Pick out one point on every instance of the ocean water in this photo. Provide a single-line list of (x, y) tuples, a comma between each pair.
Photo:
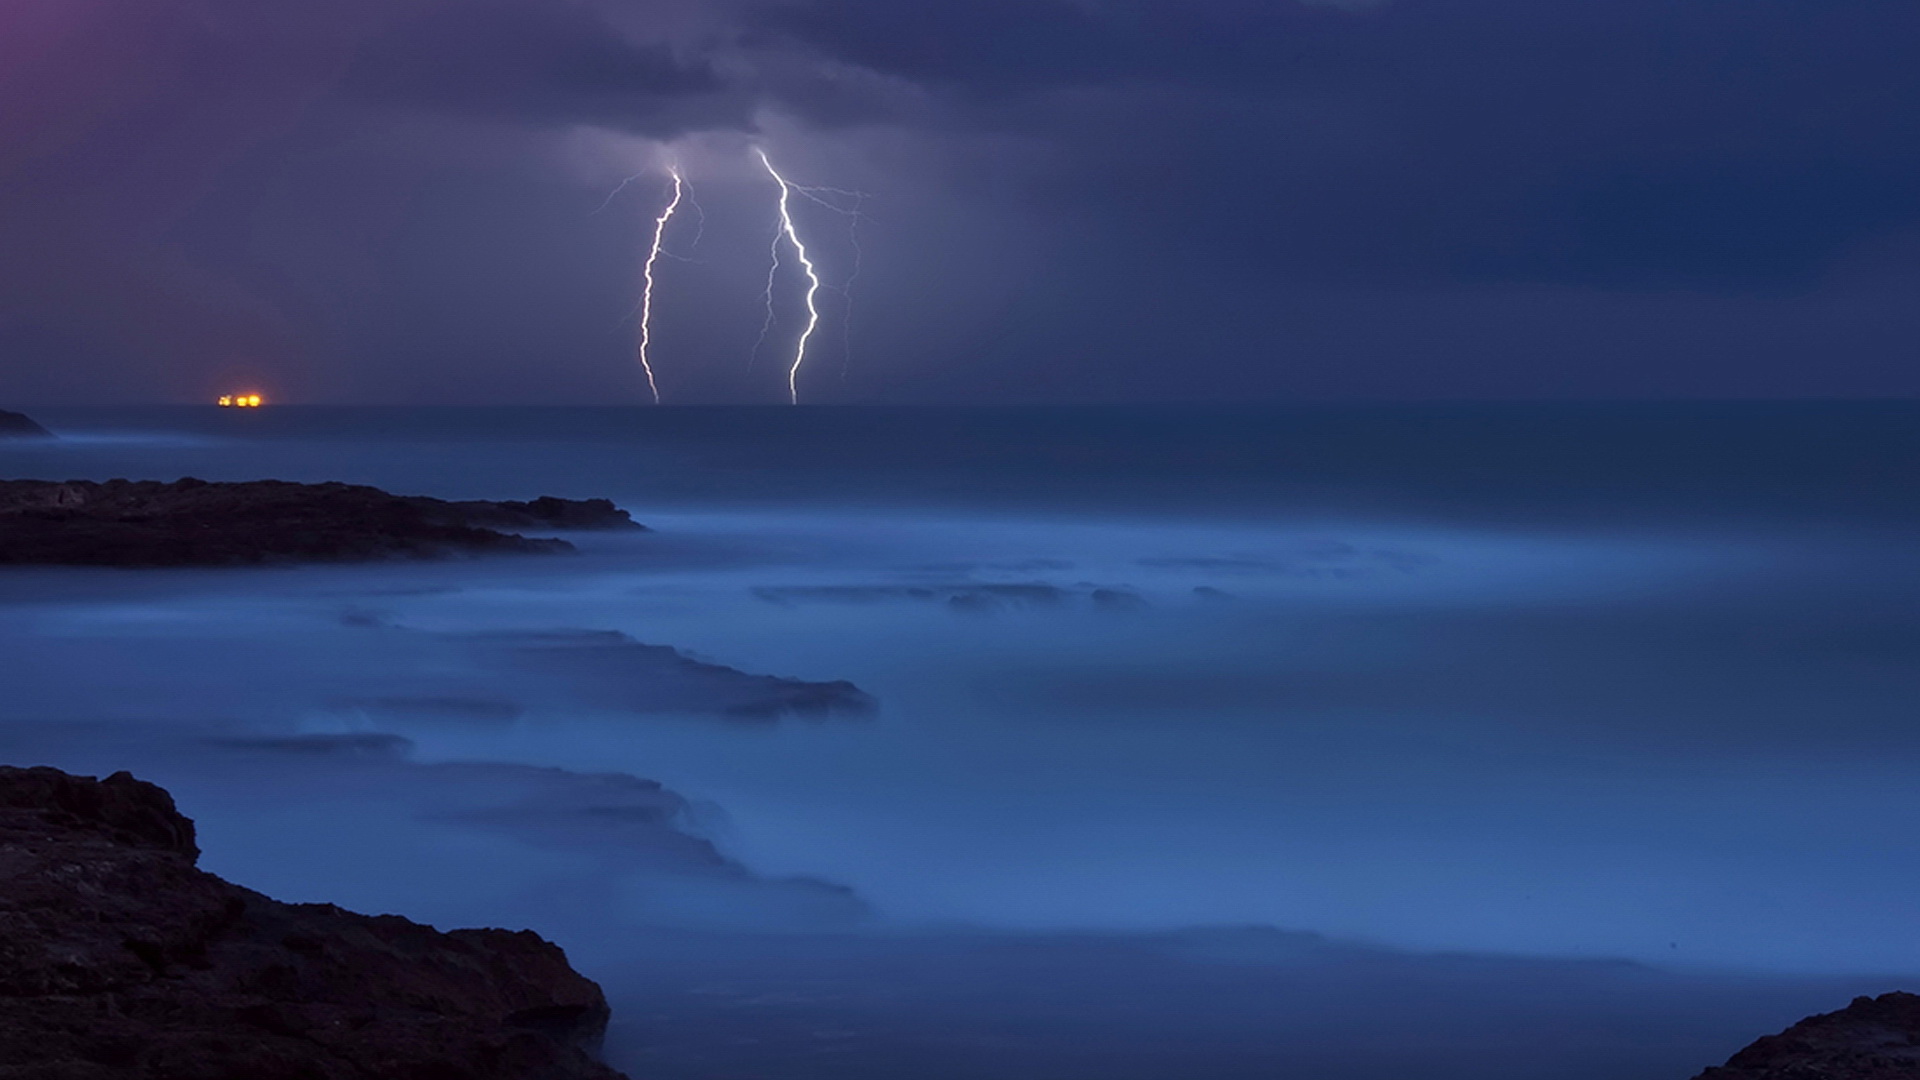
[(1587, 735)]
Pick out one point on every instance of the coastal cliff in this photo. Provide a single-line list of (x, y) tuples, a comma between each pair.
[(119, 958)]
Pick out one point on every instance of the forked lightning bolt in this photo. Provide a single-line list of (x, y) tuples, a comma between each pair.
[(622, 186), (792, 236), (766, 324), (646, 295)]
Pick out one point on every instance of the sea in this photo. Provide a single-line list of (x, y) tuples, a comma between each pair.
[(1329, 742)]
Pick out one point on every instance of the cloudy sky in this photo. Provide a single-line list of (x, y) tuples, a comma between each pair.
[(407, 201)]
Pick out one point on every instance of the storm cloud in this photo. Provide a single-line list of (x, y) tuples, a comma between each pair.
[(1115, 200)]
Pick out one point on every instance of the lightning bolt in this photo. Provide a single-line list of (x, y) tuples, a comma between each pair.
[(646, 296), (699, 223), (792, 236), (831, 198), (846, 287), (766, 324), (608, 201)]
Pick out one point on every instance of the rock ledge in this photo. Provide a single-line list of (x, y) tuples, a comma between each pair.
[(120, 959), (192, 522), (1875, 1038)]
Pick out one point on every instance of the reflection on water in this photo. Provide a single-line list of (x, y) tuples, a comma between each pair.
[(1678, 738)]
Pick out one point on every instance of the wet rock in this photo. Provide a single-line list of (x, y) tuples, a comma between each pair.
[(1875, 1038), (1117, 600), (546, 512), (968, 597), (119, 958), (612, 669), (195, 523)]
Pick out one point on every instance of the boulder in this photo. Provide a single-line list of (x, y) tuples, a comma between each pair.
[(1875, 1038), (119, 958)]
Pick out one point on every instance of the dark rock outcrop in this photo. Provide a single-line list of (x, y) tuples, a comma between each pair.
[(545, 512), (15, 425), (613, 669), (120, 959), (195, 523), (1875, 1038)]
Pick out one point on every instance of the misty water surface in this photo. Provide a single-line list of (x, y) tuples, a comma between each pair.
[(1492, 700)]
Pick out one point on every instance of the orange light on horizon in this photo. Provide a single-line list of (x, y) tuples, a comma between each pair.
[(241, 401)]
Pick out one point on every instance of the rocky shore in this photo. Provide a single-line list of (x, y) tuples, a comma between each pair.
[(120, 959), (195, 523), (1874, 1038)]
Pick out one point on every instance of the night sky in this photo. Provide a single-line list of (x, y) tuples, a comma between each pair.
[(407, 201)]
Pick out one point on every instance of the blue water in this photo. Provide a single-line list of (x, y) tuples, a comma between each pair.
[(1554, 685)]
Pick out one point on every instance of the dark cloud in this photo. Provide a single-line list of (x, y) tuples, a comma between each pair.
[(1716, 225), (1415, 197), (544, 64), (1712, 147), (985, 47)]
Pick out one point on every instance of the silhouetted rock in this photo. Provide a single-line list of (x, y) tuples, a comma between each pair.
[(195, 523), (545, 512), (120, 959), (959, 596), (15, 425), (1117, 600), (1875, 1038), (609, 667)]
